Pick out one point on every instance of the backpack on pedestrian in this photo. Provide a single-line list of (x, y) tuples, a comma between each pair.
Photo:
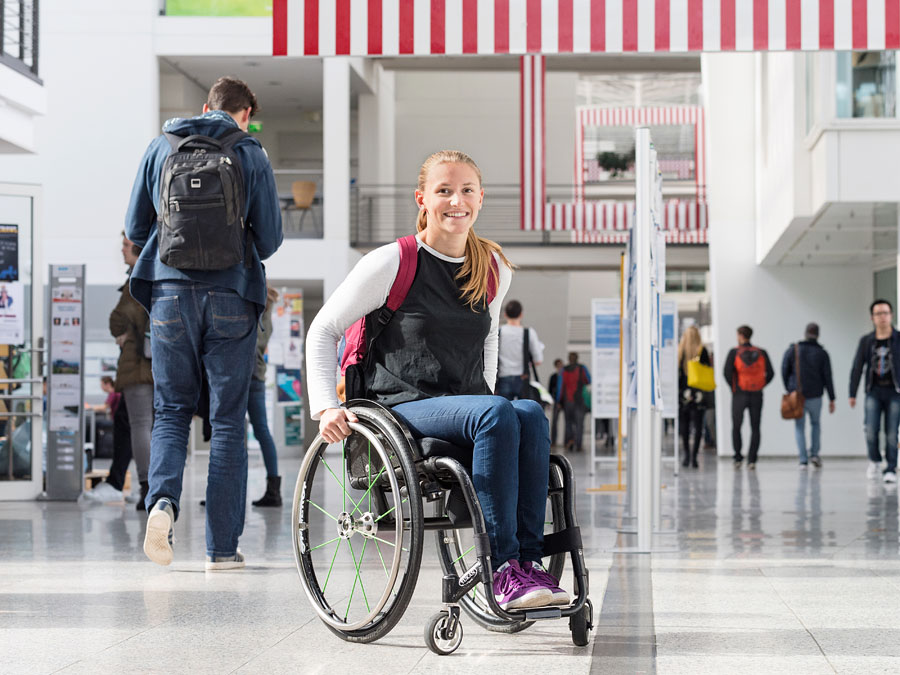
[(750, 369), (358, 339), (200, 222)]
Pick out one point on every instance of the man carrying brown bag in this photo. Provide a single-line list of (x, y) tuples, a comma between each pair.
[(806, 371)]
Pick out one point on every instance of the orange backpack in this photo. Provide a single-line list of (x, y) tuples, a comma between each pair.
[(750, 369)]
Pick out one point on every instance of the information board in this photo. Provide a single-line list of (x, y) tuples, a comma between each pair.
[(605, 329), (668, 358), (65, 390)]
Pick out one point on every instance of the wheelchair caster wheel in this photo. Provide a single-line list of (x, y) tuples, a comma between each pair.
[(438, 636), (581, 624)]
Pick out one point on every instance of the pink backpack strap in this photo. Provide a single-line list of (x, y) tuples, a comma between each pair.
[(493, 280), (409, 257)]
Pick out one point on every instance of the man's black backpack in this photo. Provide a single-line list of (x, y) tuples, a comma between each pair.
[(200, 222)]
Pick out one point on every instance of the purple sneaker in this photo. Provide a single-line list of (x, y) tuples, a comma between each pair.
[(548, 581), (514, 589)]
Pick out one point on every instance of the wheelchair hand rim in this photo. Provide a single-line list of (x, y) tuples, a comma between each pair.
[(315, 449)]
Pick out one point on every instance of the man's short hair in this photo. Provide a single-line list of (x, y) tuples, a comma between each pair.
[(513, 309), (745, 331), (812, 331), (231, 95), (106, 379), (881, 301), (558, 362)]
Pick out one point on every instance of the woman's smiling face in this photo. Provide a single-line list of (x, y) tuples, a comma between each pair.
[(452, 198)]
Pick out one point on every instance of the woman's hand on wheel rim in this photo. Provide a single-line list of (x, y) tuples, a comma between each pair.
[(334, 424)]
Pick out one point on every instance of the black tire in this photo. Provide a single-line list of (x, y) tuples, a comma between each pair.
[(404, 570), (582, 624), (433, 629), (473, 603)]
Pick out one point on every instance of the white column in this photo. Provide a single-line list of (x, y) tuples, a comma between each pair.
[(643, 438), (336, 147)]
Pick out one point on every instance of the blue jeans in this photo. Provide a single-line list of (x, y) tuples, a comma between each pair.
[(813, 408), (196, 327), (509, 387), (256, 408), (886, 400), (510, 443)]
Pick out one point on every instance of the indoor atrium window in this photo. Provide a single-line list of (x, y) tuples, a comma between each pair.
[(866, 84)]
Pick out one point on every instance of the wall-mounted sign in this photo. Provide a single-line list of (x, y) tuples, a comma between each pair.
[(9, 252)]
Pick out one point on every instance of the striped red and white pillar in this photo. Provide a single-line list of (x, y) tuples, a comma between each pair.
[(532, 130)]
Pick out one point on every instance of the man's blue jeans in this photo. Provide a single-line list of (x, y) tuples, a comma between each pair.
[(195, 328), (509, 387), (510, 443), (256, 409), (813, 408), (882, 400)]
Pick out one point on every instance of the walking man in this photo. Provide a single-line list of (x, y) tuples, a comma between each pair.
[(553, 387), (570, 395), (205, 210), (747, 370), (519, 348), (814, 370), (877, 352)]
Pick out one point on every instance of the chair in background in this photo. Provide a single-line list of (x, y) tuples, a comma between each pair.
[(304, 192)]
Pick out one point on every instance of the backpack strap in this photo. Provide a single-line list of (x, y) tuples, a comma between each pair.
[(526, 352), (224, 142), (493, 280), (409, 258)]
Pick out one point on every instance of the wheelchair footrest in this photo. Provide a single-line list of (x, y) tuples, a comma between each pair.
[(543, 613)]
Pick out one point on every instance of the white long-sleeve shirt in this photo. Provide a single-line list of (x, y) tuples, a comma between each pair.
[(364, 290)]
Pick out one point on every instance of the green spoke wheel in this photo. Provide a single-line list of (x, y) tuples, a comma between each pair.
[(456, 550), (357, 528)]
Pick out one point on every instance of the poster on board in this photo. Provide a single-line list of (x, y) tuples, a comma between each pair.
[(605, 330), (9, 252)]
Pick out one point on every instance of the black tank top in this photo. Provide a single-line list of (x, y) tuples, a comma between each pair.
[(434, 344)]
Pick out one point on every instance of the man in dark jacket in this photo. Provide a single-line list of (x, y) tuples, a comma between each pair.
[(203, 322), (879, 353), (747, 369), (815, 377)]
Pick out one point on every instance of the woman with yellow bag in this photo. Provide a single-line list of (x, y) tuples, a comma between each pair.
[(695, 376)]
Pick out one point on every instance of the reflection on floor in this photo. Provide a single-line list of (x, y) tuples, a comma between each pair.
[(775, 571)]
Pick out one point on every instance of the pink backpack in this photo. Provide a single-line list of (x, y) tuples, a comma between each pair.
[(357, 341)]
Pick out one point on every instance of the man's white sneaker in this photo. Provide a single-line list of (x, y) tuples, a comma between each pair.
[(890, 477), (104, 492), (874, 470), (160, 533)]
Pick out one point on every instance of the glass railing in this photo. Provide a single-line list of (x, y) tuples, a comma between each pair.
[(19, 35)]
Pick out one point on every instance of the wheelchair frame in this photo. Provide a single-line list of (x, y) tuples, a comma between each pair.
[(435, 475)]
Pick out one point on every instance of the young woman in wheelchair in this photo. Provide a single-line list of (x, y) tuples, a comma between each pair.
[(435, 365)]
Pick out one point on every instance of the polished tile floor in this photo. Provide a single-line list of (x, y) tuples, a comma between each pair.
[(768, 572)]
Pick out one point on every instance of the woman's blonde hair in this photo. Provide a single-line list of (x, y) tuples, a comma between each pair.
[(477, 266), (690, 346)]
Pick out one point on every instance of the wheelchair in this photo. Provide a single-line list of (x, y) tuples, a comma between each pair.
[(374, 502)]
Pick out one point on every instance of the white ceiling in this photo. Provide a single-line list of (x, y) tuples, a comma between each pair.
[(282, 86), (848, 234)]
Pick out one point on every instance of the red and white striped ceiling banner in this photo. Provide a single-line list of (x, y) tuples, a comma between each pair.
[(588, 116), (426, 27), (532, 130), (685, 216)]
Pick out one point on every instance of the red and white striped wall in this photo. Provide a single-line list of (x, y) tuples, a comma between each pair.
[(424, 27), (587, 116), (688, 219), (532, 128)]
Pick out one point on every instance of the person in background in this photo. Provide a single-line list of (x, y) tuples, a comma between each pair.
[(815, 378), (570, 394), (747, 370), (256, 407), (514, 371), (129, 324), (110, 489), (691, 402), (877, 352), (553, 387)]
